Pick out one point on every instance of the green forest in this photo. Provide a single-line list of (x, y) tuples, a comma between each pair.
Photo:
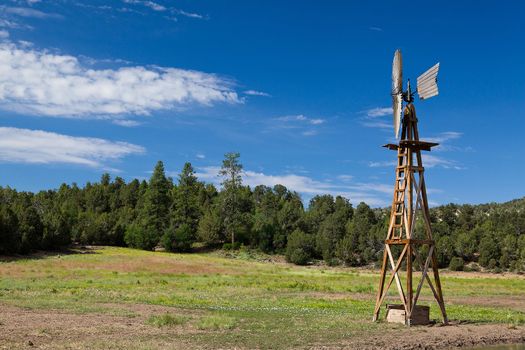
[(185, 214)]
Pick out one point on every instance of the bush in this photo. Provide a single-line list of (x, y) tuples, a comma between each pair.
[(346, 251), (492, 264), (300, 248), (179, 239), (166, 320), (229, 246), (137, 236), (210, 228), (456, 264)]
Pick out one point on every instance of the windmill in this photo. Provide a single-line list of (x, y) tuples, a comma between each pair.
[(408, 239)]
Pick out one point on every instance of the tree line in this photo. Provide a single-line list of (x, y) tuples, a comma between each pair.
[(187, 213)]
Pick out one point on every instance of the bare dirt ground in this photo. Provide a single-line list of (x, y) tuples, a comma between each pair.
[(438, 337), (52, 329)]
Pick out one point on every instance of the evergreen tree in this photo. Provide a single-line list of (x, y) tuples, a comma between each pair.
[(231, 172), (153, 215)]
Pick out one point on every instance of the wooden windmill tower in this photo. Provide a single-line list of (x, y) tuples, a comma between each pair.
[(408, 245)]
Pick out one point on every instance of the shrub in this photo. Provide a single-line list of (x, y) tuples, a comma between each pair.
[(138, 236), (456, 264), (300, 248), (166, 320), (492, 264), (230, 246), (178, 239), (210, 228)]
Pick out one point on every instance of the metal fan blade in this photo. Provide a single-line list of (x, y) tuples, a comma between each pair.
[(397, 73), (397, 106), (427, 83), (397, 90)]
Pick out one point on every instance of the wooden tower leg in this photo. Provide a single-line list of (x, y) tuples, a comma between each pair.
[(381, 287)]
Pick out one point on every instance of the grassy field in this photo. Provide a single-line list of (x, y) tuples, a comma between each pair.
[(212, 301)]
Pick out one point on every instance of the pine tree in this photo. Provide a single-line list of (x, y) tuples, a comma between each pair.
[(153, 215), (232, 182)]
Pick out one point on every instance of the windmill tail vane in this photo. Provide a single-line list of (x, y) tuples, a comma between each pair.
[(415, 244)]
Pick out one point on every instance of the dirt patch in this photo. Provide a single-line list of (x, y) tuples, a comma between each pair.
[(435, 337), (52, 329)]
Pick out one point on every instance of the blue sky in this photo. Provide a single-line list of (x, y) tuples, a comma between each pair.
[(299, 88)]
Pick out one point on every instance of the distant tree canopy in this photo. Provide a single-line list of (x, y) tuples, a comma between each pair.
[(177, 216)]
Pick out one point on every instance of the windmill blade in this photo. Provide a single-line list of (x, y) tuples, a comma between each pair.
[(427, 83), (397, 90), (397, 74), (397, 107)]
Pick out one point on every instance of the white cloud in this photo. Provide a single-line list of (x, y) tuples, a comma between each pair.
[(152, 5), (345, 177), (376, 29), (445, 136), (200, 156), (379, 112), (256, 93), (29, 12), (4, 34), (41, 83), (388, 163), (309, 133), (126, 123), (5, 23), (431, 161), (302, 119), (42, 147), (371, 193), (161, 8), (373, 118), (305, 126), (189, 14)]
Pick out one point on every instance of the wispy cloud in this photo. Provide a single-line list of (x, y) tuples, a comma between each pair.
[(371, 193), (152, 5), (155, 6), (378, 112), (40, 83), (303, 125), (128, 123), (376, 29), (200, 156), (4, 34), (189, 14), (431, 161), (29, 12), (373, 118), (42, 147), (302, 119), (256, 93), (388, 163)]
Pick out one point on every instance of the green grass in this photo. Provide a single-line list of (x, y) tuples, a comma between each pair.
[(216, 322), (237, 302), (166, 320)]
